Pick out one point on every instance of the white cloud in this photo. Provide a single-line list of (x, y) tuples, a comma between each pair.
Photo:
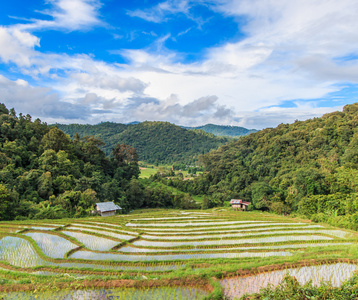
[(170, 109), (17, 46), (271, 117), (114, 82), (68, 15), (160, 12), (38, 101)]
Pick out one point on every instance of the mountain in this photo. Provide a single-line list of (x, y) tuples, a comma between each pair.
[(308, 167), (155, 142), (224, 130)]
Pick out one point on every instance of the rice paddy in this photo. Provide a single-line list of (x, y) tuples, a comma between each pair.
[(336, 273), (165, 244), (49, 244), (92, 242), (162, 293)]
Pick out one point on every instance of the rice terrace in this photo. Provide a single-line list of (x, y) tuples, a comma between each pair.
[(169, 254)]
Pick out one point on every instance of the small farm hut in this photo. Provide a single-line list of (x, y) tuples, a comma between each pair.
[(238, 204), (107, 208)]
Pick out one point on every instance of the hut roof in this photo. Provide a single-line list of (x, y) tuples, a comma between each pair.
[(107, 206), (239, 201)]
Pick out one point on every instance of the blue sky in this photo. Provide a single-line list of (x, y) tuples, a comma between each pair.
[(251, 63)]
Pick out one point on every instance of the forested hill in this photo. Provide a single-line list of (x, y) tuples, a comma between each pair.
[(222, 130), (44, 174), (310, 167), (155, 142)]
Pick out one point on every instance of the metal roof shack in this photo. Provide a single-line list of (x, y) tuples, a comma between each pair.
[(239, 204), (107, 208)]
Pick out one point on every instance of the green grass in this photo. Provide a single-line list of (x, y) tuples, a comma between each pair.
[(147, 172)]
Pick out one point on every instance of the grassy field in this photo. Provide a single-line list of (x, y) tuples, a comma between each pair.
[(212, 253), (147, 172)]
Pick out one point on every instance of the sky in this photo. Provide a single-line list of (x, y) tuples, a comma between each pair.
[(250, 63)]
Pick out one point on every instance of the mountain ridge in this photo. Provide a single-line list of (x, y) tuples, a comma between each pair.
[(155, 141)]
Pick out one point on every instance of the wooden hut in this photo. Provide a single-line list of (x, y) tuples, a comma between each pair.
[(238, 204), (107, 208)]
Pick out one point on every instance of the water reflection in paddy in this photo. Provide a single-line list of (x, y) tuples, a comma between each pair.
[(91, 241), (52, 245), (162, 293), (273, 239), (242, 233), (104, 232), (120, 257), (128, 249), (336, 273), (19, 252)]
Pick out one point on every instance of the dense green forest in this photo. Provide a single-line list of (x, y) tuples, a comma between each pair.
[(308, 167), (45, 174), (155, 142), (222, 130)]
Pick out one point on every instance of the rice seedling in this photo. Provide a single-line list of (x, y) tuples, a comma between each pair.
[(120, 257), (243, 234), (92, 242), (233, 230), (103, 232), (232, 242), (19, 252), (190, 224), (162, 293), (41, 228), (218, 228), (336, 273), (51, 245), (128, 249), (164, 219)]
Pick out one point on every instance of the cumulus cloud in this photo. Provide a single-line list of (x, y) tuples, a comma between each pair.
[(298, 29), (197, 111), (271, 117), (17, 46), (114, 82), (17, 43), (39, 101), (67, 15)]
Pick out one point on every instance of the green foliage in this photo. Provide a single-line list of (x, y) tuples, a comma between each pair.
[(308, 167), (290, 288), (155, 142), (5, 199), (44, 174)]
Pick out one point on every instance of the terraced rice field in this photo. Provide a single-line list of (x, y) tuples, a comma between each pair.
[(156, 244), (335, 273), (162, 293)]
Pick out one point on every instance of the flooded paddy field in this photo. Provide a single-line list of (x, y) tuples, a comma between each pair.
[(155, 246), (234, 288), (162, 293)]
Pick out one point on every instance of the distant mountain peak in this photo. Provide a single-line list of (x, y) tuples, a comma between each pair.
[(224, 130)]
